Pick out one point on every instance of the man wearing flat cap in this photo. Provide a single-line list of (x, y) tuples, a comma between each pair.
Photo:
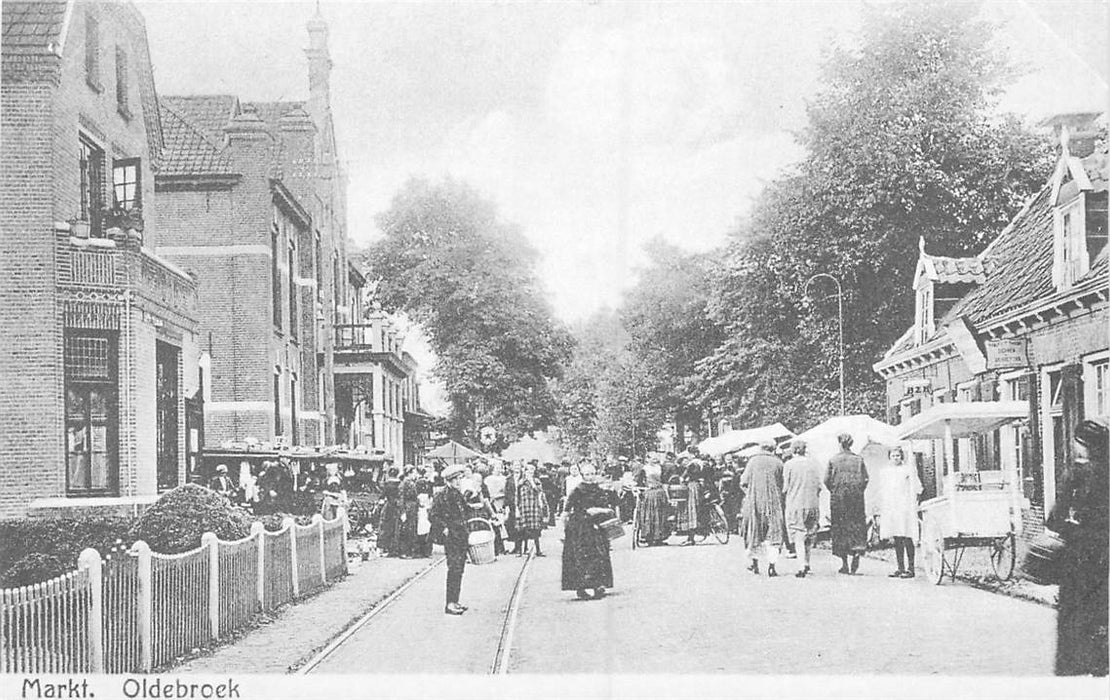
[(1081, 516), (448, 517)]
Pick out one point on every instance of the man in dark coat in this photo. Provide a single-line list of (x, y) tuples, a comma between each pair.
[(1080, 516), (846, 480), (448, 516)]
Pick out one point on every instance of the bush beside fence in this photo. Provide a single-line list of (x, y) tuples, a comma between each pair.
[(139, 610)]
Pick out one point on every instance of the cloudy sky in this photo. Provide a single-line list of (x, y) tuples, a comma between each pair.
[(596, 125)]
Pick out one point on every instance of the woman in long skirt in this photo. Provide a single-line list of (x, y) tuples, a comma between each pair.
[(389, 530), (410, 507), (655, 508), (846, 482), (586, 563), (530, 510)]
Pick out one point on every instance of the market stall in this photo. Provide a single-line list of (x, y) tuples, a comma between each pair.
[(975, 507)]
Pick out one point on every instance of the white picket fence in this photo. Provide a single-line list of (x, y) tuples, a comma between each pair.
[(139, 610)]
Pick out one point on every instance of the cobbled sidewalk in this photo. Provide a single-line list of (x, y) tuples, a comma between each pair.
[(300, 630)]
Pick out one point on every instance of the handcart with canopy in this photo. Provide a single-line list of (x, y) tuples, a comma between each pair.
[(974, 508)]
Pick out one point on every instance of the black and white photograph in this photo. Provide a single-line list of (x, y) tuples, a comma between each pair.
[(551, 349)]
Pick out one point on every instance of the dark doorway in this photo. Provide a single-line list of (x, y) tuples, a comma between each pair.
[(167, 364)]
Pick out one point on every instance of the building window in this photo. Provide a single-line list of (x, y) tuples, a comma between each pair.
[(296, 437), (1080, 237), (92, 50), (923, 320), (91, 379), (126, 185), (292, 292), (1096, 385), (275, 275), (317, 266), (122, 88), (92, 186), (277, 402)]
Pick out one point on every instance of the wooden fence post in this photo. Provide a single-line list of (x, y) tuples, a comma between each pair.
[(258, 530), (90, 560), (210, 540), (318, 521), (145, 605), (291, 525)]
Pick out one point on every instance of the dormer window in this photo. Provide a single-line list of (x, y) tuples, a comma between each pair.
[(1080, 236)]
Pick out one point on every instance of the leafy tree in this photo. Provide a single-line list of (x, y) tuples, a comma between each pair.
[(666, 317), (904, 142), (469, 280), (604, 395)]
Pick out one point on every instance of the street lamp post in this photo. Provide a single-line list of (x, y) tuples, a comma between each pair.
[(840, 316)]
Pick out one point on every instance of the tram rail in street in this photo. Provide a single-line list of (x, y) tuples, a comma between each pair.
[(502, 654)]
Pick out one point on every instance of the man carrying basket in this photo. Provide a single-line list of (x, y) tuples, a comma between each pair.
[(448, 517)]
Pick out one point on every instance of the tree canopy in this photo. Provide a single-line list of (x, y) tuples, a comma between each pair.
[(468, 278), (904, 141)]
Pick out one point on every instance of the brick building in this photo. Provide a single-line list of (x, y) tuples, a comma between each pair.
[(1019, 335), (252, 202), (377, 395), (99, 354)]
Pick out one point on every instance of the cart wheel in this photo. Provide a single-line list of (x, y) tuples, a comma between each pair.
[(718, 524), (932, 547), (1003, 556)]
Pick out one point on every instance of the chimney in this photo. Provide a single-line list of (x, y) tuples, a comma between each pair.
[(319, 66), (245, 127)]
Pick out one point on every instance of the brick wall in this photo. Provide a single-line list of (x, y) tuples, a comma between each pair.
[(30, 373)]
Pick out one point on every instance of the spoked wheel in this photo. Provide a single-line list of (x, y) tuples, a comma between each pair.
[(718, 524), (932, 547), (1003, 556)]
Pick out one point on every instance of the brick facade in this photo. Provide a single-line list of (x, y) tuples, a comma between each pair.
[(237, 173), (56, 281)]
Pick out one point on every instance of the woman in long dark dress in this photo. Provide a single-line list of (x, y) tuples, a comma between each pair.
[(846, 481), (586, 563), (390, 530), (409, 509), (1080, 517)]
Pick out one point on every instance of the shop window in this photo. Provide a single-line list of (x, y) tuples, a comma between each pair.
[(1096, 384), (167, 391), (92, 424)]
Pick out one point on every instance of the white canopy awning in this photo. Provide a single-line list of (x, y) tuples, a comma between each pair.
[(737, 439), (961, 419)]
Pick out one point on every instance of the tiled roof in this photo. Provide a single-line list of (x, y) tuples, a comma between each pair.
[(188, 150), (31, 28), (208, 113), (271, 112), (1018, 264), (957, 270)]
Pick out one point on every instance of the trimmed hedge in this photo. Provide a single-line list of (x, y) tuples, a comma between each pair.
[(176, 521), (37, 549)]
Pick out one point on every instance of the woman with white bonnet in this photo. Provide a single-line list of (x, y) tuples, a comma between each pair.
[(899, 488)]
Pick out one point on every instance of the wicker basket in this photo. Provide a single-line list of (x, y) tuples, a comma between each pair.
[(612, 528), (480, 543)]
